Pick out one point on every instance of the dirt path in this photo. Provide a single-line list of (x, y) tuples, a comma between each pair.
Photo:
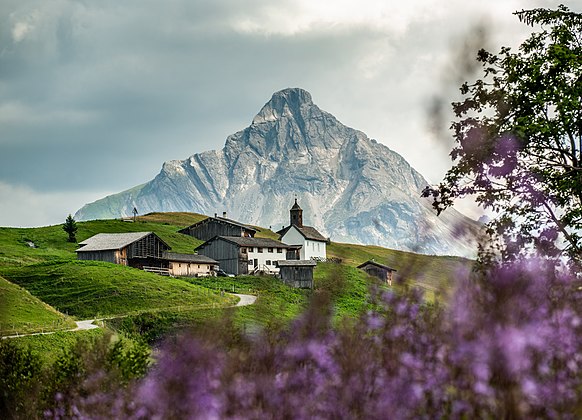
[(88, 324), (245, 300)]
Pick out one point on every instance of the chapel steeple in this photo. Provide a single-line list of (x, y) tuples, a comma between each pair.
[(296, 215)]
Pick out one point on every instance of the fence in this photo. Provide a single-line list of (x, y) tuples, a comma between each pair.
[(157, 270)]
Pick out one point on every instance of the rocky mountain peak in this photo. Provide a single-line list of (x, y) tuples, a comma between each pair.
[(286, 102), (350, 187)]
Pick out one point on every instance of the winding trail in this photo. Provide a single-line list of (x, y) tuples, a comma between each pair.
[(88, 324), (245, 300)]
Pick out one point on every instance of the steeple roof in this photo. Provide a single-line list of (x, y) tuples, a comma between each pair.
[(295, 206)]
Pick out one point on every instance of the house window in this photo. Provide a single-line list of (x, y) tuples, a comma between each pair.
[(270, 250), (260, 250), (243, 250), (250, 262), (279, 250), (268, 262)]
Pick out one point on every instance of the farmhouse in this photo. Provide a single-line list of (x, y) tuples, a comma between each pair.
[(383, 272), (218, 226), (297, 273), (243, 255), (190, 265), (135, 249), (313, 244)]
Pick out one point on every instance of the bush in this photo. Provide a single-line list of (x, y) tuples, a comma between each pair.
[(507, 346)]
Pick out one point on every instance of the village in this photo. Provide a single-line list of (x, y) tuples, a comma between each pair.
[(230, 248)]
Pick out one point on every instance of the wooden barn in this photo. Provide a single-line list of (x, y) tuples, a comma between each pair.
[(135, 249), (190, 265), (381, 271), (218, 226), (243, 255), (297, 273)]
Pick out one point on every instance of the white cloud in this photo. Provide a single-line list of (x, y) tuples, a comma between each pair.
[(20, 30), (25, 207), (19, 113), (393, 18), (294, 17), (23, 24)]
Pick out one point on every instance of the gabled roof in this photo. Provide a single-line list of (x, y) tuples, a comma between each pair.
[(308, 232), (189, 258), (220, 219), (248, 242), (296, 263), (377, 264), (113, 241)]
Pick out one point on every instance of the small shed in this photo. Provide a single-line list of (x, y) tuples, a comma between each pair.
[(190, 265), (381, 271), (135, 249), (297, 273)]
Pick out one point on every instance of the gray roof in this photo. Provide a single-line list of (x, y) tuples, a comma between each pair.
[(111, 241), (248, 242), (377, 264), (308, 232), (296, 263), (190, 258), (220, 219)]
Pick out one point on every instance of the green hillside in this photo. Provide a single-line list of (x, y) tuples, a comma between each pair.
[(94, 289), (22, 246), (20, 312), (432, 273), (44, 263)]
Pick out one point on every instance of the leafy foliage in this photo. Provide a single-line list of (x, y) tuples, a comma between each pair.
[(519, 140), (19, 376)]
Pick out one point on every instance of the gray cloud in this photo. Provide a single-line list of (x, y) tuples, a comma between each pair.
[(94, 96)]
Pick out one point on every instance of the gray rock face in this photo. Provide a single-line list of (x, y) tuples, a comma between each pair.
[(350, 187)]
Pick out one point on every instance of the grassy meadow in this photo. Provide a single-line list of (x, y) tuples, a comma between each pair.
[(22, 312), (38, 265)]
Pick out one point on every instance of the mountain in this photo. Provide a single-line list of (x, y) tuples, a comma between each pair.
[(351, 188)]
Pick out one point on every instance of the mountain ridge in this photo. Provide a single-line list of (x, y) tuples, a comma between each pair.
[(351, 188)]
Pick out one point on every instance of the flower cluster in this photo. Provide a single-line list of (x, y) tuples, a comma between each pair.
[(507, 345)]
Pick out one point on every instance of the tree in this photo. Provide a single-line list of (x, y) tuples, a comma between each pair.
[(70, 226), (518, 134)]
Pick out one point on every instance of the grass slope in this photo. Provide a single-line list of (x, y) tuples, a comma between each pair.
[(20, 312), (50, 242), (87, 289), (50, 346), (91, 289), (435, 274)]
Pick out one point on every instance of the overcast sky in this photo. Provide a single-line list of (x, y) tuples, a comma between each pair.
[(96, 95)]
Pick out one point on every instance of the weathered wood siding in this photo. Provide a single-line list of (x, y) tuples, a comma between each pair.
[(150, 246), (112, 256), (379, 272), (376, 271), (208, 230), (300, 277), (227, 255)]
